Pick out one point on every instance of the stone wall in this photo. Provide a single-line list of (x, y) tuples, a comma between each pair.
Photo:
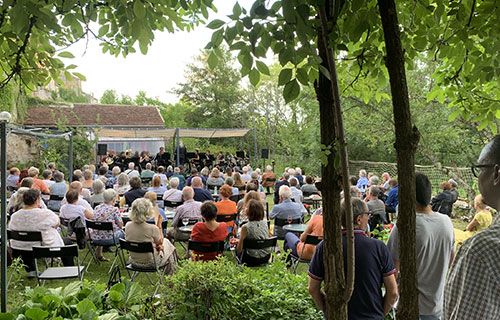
[(21, 148)]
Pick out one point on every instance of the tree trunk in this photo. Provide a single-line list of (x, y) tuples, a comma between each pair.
[(407, 137), (338, 291)]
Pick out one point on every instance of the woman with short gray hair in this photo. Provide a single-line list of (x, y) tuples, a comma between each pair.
[(173, 194), (59, 188), (137, 230), (97, 197), (107, 212), (123, 184)]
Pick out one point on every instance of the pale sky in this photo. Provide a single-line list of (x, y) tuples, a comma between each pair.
[(155, 73)]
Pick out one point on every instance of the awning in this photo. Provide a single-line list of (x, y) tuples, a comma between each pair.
[(170, 132)]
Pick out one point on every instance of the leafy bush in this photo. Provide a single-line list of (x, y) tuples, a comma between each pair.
[(83, 301), (221, 290)]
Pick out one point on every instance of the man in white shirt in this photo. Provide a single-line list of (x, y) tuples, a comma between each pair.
[(245, 176), (131, 172), (77, 186)]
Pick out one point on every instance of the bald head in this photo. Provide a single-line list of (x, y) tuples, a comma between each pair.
[(76, 185), (196, 182), (187, 193)]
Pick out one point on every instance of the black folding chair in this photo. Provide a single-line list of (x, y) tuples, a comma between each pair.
[(171, 204), (310, 240), (25, 236), (54, 197), (102, 226), (159, 201), (226, 217), (52, 273), (146, 181), (141, 247), (182, 241), (206, 247), (257, 244)]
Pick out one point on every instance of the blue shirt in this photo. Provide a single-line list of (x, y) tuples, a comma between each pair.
[(188, 181), (373, 263), (201, 195), (392, 198), (362, 184)]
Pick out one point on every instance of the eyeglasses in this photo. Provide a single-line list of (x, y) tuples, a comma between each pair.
[(476, 168)]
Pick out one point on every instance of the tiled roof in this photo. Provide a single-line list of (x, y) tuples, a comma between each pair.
[(94, 114)]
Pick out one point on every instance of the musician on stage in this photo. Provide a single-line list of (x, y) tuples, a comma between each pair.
[(209, 159), (162, 158), (221, 161), (196, 161), (144, 160)]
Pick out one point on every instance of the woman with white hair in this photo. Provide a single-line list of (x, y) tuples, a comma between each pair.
[(173, 194), (97, 197), (123, 184), (107, 212), (137, 230), (215, 179), (182, 180)]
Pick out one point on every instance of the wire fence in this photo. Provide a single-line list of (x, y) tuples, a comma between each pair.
[(436, 176)]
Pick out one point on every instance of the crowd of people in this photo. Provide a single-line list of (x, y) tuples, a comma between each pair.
[(198, 198)]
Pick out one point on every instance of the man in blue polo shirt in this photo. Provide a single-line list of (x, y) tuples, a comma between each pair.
[(373, 267)]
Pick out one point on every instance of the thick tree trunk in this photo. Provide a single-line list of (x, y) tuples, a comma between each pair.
[(338, 291), (407, 137)]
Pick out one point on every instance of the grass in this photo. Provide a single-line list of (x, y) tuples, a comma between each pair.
[(99, 272)]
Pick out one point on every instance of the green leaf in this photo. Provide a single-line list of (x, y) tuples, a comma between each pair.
[(483, 124), (103, 30), (324, 71), (80, 76), (66, 54), (301, 75), (288, 11), (6, 316), (231, 34), (236, 10), (262, 67), (85, 306), (254, 77), (71, 289), (285, 76), (109, 316), (454, 115), (139, 9), (215, 24), (212, 60), (36, 314), (115, 296), (291, 91), (285, 56)]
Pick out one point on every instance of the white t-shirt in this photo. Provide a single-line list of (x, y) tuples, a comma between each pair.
[(246, 177), (435, 244), (81, 202), (71, 211), (42, 220), (132, 173)]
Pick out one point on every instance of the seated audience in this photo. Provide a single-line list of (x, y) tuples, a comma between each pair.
[(32, 218), (22, 175), (182, 180), (157, 186), (296, 244), (138, 230), (309, 188), (215, 179), (161, 174), (37, 183), (59, 188), (226, 206), (47, 178), (13, 177), (255, 229), (194, 173), (443, 202), (482, 220), (135, 191), (77, 186), (72, 210), (173, 194), (148, 173), (114, 177), (200, 194), (242, 204), (122, 184), (190, 209), (98, 196), (151, 196), (209, 230), (88, 177), (131, 172), (238, 183), (278, 184), (286, 209), (245, 176), (107, 212), (376, 207), (297, 195)]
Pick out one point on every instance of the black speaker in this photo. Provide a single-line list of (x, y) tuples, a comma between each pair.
[(102, 149), (265, 153)]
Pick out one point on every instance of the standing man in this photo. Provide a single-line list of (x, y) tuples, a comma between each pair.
[(473, 286), (373, 267), (435, 246)]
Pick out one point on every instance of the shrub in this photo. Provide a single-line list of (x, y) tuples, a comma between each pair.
[(221, 290)]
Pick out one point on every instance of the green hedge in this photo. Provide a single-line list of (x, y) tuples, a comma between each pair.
[(222, 290)]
